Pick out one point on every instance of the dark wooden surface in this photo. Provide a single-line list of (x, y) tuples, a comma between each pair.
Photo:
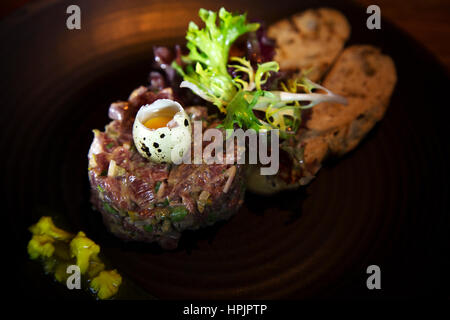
[(428, 21)]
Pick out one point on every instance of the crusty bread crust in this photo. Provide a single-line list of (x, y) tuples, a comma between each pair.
[(367, 78), (310, 41)]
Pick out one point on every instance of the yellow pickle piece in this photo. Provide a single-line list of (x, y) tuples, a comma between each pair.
[(58, 249), (106, 284), (83, 248), (41, 246), (45, 226)]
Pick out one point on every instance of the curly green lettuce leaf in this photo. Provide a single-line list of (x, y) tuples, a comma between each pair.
[(255, 79), (244, 66), (240, 113), (263, 72), (206, 73)]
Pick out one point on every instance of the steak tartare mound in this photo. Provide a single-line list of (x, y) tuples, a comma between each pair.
[(154, 202)]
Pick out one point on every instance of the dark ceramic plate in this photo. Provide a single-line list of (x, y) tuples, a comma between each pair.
[(386, 203)]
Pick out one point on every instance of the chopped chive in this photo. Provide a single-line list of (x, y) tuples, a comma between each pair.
[(148, 228), (178, 213), (109, 209), (158, 184), (99, 188), (110, 145), (166, 202)]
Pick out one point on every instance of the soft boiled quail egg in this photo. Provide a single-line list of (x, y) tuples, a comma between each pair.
[(162, 131)]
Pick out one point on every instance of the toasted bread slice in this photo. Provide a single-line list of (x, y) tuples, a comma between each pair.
[(366, 77), (310, 41)]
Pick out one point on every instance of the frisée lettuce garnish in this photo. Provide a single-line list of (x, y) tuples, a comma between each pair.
[(205, 72)]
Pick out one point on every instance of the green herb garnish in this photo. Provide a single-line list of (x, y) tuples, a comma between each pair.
[(108, 208), (148, 228), (178, 213), (157, 185), (207, 76), (165, 203), (206, 73)]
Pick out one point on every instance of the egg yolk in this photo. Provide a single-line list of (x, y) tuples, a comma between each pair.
[(157, 122)]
